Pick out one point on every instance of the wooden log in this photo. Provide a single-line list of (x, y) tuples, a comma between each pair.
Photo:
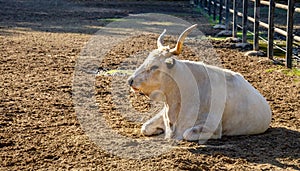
[(277, 5), (265, 25)]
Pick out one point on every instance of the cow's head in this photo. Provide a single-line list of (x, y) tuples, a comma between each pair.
[(154, 72)]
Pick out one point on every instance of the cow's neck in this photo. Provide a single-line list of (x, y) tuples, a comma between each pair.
[(173, 102)]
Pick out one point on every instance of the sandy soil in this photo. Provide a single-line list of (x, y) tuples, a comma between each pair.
[(40, 42)]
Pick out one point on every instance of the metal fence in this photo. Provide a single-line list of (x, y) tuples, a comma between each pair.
[(215, 8)]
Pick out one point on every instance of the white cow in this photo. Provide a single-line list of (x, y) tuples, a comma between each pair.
[(200, 101)]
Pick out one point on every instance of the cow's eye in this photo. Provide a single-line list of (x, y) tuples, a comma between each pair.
[(154, 67)]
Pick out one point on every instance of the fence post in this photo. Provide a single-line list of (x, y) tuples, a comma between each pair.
[(289, 30), (220, 12), (215, 10), (209, 7), (227, 14), (271, 30), (234, 29), (244, 23), (256, 25)]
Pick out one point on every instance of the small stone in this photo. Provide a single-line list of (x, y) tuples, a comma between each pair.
[(220, 26), (233, 39), (255, 53), (242, 45), (224, 33)]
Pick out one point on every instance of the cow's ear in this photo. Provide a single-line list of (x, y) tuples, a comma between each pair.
[(170, 62)]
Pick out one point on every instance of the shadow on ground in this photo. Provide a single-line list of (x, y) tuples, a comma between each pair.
[(271, 147), (77, 16)]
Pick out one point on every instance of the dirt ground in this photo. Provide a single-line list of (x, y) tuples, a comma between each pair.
[(40, 42)]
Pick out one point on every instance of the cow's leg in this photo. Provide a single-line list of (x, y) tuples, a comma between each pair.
[(155, 125), (202, 132)]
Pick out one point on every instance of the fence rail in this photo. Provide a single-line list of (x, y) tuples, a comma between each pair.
[(213, 5)]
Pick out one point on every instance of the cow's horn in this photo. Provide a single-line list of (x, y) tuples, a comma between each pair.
[(178, 47), (160, 40)]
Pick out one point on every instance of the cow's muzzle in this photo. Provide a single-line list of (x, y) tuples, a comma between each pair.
[(130, 81)]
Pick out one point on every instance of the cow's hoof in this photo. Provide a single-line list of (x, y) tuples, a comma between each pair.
[(191, 134), (151, 131), (197, 133)]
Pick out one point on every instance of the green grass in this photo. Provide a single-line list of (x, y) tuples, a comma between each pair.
[(263, 46), (271, 70), (210, 18), (240, 35), (291, 72), (120, 71), (295, 72), (116, 72)]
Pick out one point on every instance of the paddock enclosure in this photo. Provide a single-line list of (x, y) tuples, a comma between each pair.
[(39, 130), (274, 9)]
